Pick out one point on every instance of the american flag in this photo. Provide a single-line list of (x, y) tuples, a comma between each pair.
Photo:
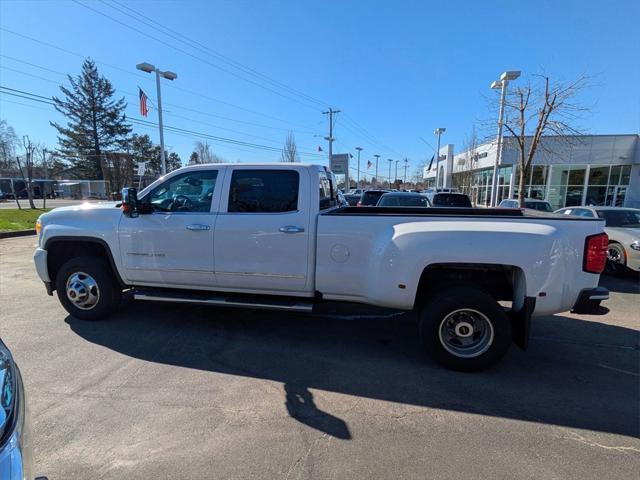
[(369, 164), (144, 109)]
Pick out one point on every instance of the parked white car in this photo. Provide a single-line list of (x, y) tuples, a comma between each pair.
[(623, 228), (273, 236), (530, 203)]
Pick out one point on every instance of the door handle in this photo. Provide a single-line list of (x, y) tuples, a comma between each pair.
[(291, 229), (198, 227)]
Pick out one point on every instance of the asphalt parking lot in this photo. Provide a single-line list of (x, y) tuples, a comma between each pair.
[(174, 392)]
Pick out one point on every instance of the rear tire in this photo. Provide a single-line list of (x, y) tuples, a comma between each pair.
[(87, 288), (465, 329)]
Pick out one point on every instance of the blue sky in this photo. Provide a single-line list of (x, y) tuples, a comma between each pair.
[(396, 69)]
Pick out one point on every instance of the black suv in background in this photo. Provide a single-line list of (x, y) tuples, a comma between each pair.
[(369, 198), (451, 200)]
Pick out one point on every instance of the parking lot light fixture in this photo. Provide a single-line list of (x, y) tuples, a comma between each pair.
[(149, 68), (501, 84), (438, 131)]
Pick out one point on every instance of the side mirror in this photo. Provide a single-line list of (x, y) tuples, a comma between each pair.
[(130, 202)]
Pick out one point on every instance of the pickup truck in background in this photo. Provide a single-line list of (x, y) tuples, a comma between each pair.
[(273, 236)]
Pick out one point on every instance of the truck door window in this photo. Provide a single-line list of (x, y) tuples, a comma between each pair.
[(264, 191), (189, 192)]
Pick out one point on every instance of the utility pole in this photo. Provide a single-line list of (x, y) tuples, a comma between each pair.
[(377, 158), (406, 163), (359, 149), (46, 177), (331, 112), (390, 160)]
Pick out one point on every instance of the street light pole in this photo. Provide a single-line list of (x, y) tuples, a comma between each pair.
[(502, 85), (438, 131), (395, 179), (148, 68), (377, 157), (389, 178), (359, 149), (163, 162), (406, 164)]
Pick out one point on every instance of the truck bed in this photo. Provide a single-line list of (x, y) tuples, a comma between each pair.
[(453, 212)]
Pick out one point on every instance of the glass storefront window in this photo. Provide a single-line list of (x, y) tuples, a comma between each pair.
[(574, 196), (625, 175), (539, 175), (576, 175), (599, 176), (596, 196), (614, 178), (557, 195)]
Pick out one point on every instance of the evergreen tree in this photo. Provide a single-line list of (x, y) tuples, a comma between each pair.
[(142, 149), (173, 162), (96, 123)]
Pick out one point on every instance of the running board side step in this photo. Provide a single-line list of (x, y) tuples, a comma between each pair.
[(259, 302)]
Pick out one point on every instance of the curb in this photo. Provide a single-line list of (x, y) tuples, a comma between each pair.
[(17, 233)]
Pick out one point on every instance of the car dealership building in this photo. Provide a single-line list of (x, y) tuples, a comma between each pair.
[(579, 170)]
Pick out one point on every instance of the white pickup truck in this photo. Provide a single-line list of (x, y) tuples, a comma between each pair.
[(273, 236)]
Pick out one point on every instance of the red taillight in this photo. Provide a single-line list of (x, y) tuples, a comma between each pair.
[(595, 253)]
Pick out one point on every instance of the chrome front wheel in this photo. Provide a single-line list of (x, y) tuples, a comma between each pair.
[(82, 290)]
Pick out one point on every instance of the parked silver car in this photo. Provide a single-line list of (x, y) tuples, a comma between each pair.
[(15, 451), (623, 227)]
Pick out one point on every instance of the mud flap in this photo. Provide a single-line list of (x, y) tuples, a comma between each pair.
[(521, 323)]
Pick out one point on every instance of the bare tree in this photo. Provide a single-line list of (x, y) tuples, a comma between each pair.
[(118, 171), (205, 154), (290, 150), (8, 144), (30, 150), (544, 109)]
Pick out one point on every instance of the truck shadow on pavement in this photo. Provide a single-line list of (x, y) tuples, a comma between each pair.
[(628, 282), (576, 373)]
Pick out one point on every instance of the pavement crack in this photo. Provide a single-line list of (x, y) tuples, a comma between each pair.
[(303, 458)]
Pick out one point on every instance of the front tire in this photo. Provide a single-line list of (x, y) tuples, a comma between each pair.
[(87, 289), (465, 329)]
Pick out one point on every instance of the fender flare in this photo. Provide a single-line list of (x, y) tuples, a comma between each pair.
[(99, 241)]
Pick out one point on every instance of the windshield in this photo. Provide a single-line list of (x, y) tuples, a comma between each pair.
[(370, 198), (542, 206), (621, 218), (403, 201)]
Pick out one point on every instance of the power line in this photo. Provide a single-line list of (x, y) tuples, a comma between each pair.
[(42, 99), (203, 48), (185, 52), (133, 95), (352, 125), (147, 79)]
